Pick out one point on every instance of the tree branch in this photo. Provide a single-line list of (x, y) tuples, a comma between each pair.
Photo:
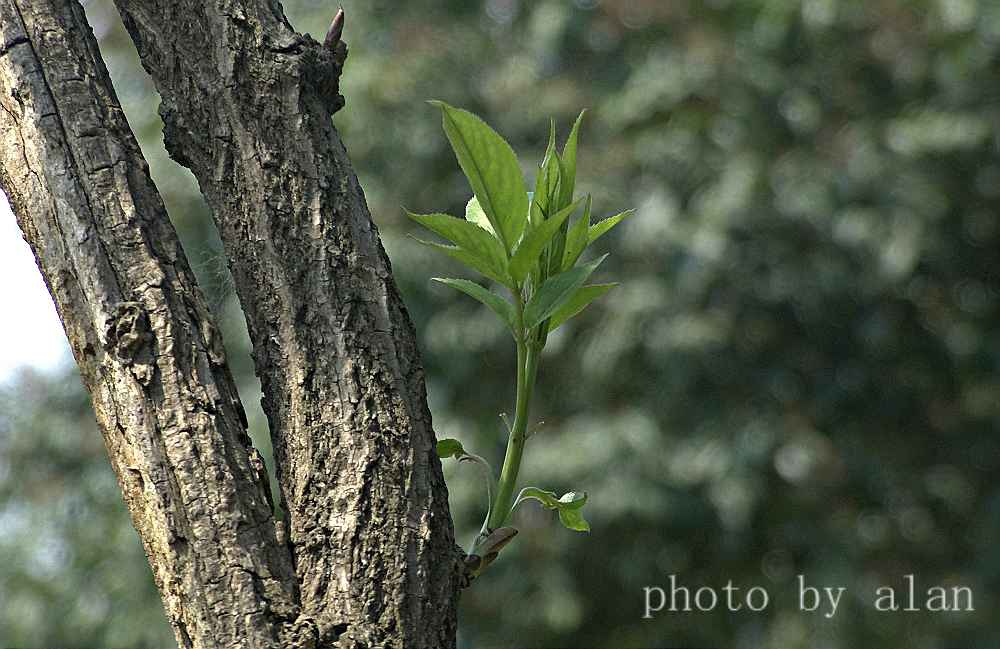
[(246, 106), (145, 343)]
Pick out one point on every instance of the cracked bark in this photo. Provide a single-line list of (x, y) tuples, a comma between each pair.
[(147, 348), (370, 558)]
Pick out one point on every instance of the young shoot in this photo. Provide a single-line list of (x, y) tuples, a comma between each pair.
[(529, 244)]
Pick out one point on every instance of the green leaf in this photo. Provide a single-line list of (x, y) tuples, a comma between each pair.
[(556, 291), (569, 161), (449, 448), (569, 506), (530, 249), (469, 237), (492, 169), (465, 234), (573, 499), (547, 187), (576, 238), (500, 306), (583, 296), (470, 260), (550, 149), (573, 519), (548, 182), (603, 226), (474, 213), (555, 251), (537, 216), (549, 499)]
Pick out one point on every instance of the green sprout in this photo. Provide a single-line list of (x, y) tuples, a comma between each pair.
[(528, 243)]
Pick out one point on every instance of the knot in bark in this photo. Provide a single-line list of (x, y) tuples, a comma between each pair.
[(321, 69), (303, 633), (128, 336)]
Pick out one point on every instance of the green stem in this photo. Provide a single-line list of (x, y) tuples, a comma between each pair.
[(527, 368)]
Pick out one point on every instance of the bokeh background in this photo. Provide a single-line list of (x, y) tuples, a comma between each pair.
[(799, 373)]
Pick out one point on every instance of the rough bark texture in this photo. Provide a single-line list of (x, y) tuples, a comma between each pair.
[(247, 105), (141, 334)]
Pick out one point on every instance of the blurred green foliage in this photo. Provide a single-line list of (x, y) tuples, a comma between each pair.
[(799, 373)]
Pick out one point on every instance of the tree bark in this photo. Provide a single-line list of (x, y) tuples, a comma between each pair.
[(246, 106), (146, 345), (370, 558)]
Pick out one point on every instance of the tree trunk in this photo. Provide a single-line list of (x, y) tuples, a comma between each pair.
[(369, 557)]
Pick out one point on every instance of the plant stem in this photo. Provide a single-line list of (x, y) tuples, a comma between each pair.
[(527, 368)]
